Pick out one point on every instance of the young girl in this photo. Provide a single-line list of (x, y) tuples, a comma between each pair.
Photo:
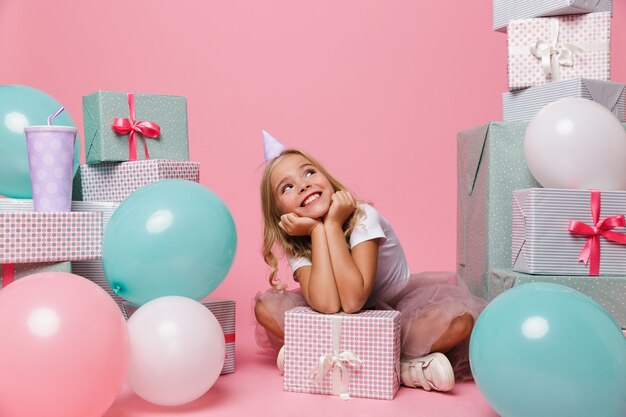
[(346, 257)]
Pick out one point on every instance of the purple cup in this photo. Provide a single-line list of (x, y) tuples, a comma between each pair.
[(51, 161)]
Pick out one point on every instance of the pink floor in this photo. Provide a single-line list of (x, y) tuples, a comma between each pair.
[(256, 389)]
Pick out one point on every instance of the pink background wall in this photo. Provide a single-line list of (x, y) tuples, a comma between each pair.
[(374, 89)]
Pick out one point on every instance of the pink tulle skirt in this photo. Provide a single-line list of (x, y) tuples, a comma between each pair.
[(428, 303)]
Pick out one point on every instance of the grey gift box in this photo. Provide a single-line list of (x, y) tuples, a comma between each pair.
[(490, 166), (522, 105), (506, 10), (608, 291), (542, 242), (102, 144), (23, 270)]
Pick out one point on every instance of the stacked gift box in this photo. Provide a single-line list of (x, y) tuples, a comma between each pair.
[(507, 224), (131, 141), (33, 241)]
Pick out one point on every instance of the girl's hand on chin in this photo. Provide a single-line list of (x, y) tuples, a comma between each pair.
[(341, 207), (295, 225)]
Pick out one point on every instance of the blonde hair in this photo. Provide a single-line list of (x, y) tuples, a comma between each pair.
[(293, 246)]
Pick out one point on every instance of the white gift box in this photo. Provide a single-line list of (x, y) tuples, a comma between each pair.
[(522, 105), (506, 10), (558, 48)]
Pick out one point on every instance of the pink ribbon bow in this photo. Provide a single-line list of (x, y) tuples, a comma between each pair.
[(146, 129), (591, 251)]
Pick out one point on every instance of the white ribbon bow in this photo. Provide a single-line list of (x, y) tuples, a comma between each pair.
[(553, 54), (337, 363)]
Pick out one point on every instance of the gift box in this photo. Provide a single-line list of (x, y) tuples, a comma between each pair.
[(224, 312), (93, 270), (559, 48), (569, 232), (608, 291), (116, 181), (342, 354), (490, 165), (32, 237), (128, 127), (522, 105), (13, 272), (507, 10)]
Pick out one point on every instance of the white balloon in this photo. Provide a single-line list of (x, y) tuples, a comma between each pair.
[(177, 350), (576, 143)]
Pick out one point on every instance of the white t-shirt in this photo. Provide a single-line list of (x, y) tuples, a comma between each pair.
[(393, 271)]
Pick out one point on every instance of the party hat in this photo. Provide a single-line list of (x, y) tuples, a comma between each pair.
[(272, 146)]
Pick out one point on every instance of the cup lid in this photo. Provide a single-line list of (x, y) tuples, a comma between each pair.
[(51, 128)]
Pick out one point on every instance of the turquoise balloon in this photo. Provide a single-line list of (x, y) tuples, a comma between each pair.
[(22, 106), (547, 350), (172, 237)]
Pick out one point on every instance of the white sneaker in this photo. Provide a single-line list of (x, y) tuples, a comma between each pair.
[(431, 372), (280, 360)]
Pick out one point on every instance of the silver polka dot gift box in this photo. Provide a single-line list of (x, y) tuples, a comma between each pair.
[(28, 236), (116, 181), (608, 291)]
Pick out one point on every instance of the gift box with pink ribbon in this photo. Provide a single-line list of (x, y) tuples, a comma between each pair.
[(224, 312), (130, 126), (342, 354), (569, 232), (544, 50), (32, 237), (12, 272), (115, 181)]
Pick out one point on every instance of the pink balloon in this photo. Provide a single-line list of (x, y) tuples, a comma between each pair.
[(64, 347)]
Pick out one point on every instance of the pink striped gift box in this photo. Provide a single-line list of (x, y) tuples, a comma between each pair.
[(115, 181), (558, 48), (342, 354), (224, 312)]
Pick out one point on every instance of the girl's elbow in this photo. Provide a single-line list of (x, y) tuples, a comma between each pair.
[(325, 307), (353, 306), (329, 309)]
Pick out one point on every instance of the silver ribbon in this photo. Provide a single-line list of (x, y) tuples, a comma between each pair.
[(337, 362), (553, 54)]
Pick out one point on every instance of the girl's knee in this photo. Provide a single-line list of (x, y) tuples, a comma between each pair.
[(462, 326), (261, 313)]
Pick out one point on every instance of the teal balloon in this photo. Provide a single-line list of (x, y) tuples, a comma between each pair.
[(22, 106), (547, 350), (172, 237)]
